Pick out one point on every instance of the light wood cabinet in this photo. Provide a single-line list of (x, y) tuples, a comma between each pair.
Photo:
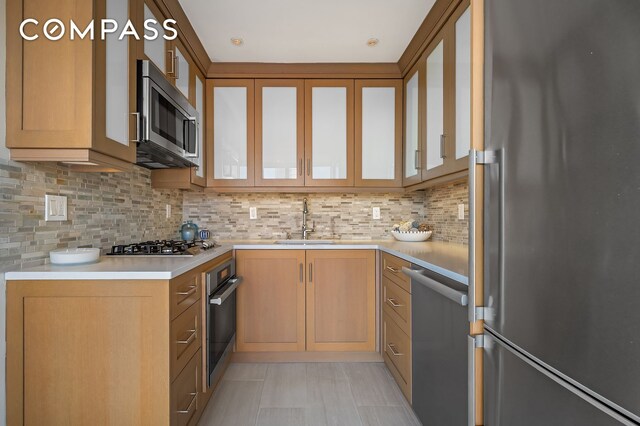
[(129, 351), (279, 138), (329, 132), (157, 50), (378, 133), (438, 104), (271, 300), (341, 300), (66, 102), (318, 300), (230, 132), (396, 322)]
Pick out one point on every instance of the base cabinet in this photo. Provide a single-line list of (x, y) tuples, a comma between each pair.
[(396, 323), (106, 352), (313, 300)]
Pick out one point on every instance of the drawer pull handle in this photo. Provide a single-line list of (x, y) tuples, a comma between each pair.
[(392, 348), (193, 401), (392, 269), (192, 336), (393, 303), (189, 292)]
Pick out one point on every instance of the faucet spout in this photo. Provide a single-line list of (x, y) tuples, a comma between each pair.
[(305, 229)]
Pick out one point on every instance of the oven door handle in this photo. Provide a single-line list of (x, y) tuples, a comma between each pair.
[(218, 299)]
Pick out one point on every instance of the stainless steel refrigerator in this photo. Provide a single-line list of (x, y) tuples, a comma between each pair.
[(562, 212)]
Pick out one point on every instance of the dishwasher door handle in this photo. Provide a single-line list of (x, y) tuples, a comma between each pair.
[(460, 297)]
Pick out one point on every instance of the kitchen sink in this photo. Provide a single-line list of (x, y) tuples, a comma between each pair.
[(304, 242)]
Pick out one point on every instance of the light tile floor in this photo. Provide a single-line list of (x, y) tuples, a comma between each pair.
[(308, 394)]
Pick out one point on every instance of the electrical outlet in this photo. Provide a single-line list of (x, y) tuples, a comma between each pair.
[(461, 211), (376, 213), (167, 208), (55, 208), (253, 213)]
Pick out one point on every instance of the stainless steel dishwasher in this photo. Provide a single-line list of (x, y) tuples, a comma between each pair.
[(440, 327)]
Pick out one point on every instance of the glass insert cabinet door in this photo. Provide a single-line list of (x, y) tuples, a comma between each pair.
[(279, 155), (329, 138), (435, 110), (378, 133), (230, 120), (412, 127), (463, 85)]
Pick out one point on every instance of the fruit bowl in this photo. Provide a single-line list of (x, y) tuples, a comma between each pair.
[(74, 256), (411, 236)]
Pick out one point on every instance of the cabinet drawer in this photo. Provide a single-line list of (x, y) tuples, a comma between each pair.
[(185, 392), (397, 351), (392, 269), (185, 291), (397, 304), (186, 338)]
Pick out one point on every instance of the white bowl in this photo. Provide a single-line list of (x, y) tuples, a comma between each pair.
[(74, 256), (411, 236)]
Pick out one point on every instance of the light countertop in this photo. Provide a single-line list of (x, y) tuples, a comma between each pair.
[(448, 259)]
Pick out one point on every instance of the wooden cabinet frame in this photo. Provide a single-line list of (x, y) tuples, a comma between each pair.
[(308, 131), (398, 169), (300, 145), (419, 68), (209, 126)]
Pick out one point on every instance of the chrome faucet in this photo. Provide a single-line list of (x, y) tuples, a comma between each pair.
[(305, 211)]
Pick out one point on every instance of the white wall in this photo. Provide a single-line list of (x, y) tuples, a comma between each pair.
[(4, 153)]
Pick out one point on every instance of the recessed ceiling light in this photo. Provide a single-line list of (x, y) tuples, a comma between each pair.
[(237, 41), (373, 42)]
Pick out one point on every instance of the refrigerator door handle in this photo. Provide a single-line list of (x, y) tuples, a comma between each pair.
[(459, 297), (477, 158)]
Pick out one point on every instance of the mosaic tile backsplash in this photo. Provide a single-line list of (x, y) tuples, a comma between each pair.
[(103, 209), (441, 209), (345, 216)]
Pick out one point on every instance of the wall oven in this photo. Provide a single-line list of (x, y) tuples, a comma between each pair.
[(167, 123), (221, 285)]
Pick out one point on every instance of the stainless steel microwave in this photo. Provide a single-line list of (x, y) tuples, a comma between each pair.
[(167, 123)]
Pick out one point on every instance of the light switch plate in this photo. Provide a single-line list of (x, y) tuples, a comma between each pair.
[(461, 211), (376, 213), (253, 213), (55, 208)]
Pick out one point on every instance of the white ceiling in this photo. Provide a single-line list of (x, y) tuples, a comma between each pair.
[(306, 30)]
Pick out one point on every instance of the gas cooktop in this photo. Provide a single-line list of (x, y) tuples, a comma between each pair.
[(162, 248)]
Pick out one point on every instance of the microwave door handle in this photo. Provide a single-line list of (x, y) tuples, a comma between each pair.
[(196, 153)]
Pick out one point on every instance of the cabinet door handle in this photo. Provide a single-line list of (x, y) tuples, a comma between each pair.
[(442, 146), (392, 348), (311, 272), (301, 273), (191, 338), (308, 166), (416, 159), (173, 63), (176, 66), (393, 303), (193, 401), (192, 289), (392, 269)]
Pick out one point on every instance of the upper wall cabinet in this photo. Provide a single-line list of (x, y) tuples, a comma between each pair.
[(378, 133), (329, 123), (438, 104), (69, 100), (230, 127), (156, 50), (279, 133), (413, 125)]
